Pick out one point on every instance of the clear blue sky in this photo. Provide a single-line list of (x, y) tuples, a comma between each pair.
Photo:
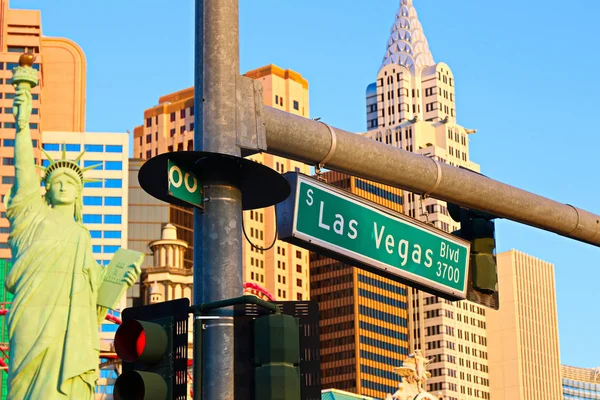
[(525, 78)]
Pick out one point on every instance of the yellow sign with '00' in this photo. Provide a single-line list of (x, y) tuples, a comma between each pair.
[(184, 185)]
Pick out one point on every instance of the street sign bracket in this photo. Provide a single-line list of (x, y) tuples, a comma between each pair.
[(260, 185)]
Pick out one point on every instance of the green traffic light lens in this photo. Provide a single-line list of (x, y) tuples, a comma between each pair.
[(138, 385), (129, 386)]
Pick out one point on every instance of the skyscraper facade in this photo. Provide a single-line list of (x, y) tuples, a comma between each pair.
[(283, 269), (58, 100), (104, 201), (580, 383), (363, 316), (522, 334), (412, 105)]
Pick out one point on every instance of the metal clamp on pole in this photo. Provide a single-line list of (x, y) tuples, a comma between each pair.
[(438, 179), (329, 154)]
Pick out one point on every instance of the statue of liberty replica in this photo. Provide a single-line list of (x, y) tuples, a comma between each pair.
[(55, 315)]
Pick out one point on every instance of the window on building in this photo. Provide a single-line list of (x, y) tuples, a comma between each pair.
[(96, 234), (92, 218), (148, 122), (114, 148), (113, 183), (92, 200), (111, 249), (148, 154), (299, 282), (298, 268), (113, 201), (276, 99), (90, 163), (114, 165), (149, 138), (299, 296), (296, 105), (112, 234), (173, 132), (96, 249), (182, 113), (9, 143), (113, 219), (8, 180), (93, 184), (95, 148), (192, 127), (182, 129), (73, 147), (173, 117), (190, 145), (8, 161)]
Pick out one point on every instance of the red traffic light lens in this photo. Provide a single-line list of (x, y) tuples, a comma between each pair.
[(130, 341), (141, 341)]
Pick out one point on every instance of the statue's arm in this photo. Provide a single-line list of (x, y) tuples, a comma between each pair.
[(25, 170)]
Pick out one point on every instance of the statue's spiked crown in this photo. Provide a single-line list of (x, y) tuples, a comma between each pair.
[(69, 166)]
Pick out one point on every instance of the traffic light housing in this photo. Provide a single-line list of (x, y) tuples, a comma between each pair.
[(152, 345), (478, 227), (277, 357)]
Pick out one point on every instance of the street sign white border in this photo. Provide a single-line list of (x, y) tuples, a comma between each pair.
[(389, 214)]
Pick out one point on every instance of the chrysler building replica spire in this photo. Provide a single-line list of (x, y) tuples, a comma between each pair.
[(407, 44), (412, 105)]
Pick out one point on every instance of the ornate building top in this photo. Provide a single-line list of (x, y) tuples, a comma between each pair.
[(407, 44)]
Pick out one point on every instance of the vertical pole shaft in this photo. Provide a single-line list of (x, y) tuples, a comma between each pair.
[(218, 231)]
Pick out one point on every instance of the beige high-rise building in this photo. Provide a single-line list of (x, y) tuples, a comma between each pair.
[(580, 383), (169, 126), (58, 100), (523, 345), (412, 105)]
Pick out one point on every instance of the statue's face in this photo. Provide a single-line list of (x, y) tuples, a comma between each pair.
[(63, 190)]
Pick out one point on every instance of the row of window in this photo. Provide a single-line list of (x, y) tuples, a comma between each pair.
[(105, 234), (89, 148), (97, 219), (9, 110), (377, 191), (105, 183), (110, 201), (384, 345), (394, 334), (382, 299), (100, 165), (394, 288), (382, 373), (106, 250), (12, 125), (11, 143), (34, 96), (382, 316), (377, 386), (172, 116), (12, 65)]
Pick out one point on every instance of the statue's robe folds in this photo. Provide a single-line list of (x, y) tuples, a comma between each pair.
[(53, 327)]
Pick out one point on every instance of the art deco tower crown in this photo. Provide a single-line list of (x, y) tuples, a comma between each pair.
[(407, 44)]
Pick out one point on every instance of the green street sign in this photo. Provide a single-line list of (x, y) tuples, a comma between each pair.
[(184, 185), (347, 227)]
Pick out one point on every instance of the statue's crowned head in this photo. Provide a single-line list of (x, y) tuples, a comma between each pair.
[(64, 180)]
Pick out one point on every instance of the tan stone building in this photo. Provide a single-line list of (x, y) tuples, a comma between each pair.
[(363, 316), (580, 383), (412, 105), (169, 126), (523, 346)]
